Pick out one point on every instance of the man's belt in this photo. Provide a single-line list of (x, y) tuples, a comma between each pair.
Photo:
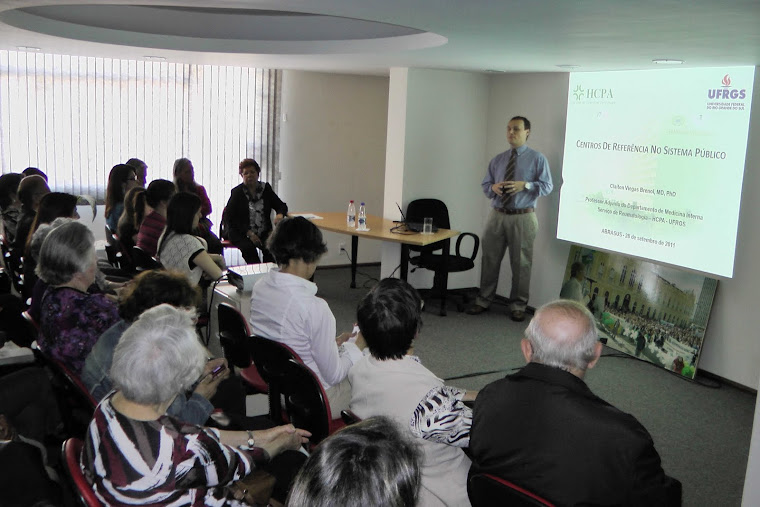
[(518, 211)]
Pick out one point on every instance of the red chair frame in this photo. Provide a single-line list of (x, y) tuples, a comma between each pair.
[(234, 335), (485, 490), (71, 452)]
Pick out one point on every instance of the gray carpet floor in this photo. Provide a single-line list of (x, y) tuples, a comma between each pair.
[(702, 433)]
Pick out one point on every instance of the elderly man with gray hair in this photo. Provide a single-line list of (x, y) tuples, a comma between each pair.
[(543, 429)]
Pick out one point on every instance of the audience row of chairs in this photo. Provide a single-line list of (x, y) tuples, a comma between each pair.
[(265, 366), (271, 367)]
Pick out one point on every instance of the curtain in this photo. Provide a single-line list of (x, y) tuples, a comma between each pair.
[(76, 117)]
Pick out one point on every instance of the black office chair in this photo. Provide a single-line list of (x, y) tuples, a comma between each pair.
[(417, 211)]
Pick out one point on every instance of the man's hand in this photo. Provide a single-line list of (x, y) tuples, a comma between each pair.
[(209, 383), (508, 187), (278, 217)]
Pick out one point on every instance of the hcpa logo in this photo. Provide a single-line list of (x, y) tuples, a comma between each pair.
[(725, 92), (592, 93)]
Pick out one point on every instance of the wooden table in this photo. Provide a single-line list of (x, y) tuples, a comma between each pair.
[(380, 229)]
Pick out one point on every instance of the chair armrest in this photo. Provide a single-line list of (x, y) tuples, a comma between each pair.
[(475, 247)]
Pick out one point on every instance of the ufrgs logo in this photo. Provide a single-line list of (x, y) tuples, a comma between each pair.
[(725, 92), (592, 93)]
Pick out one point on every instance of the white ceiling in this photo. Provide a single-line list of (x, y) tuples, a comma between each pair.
[(473, 35)]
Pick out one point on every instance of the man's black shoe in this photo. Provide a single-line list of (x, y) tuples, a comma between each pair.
[(517, 315), (475, 310)]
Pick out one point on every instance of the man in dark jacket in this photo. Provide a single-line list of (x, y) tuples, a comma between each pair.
[(543, 429)]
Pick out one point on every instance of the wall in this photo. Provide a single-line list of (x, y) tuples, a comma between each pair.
[(731, 349), (441, 118), (332, 148)]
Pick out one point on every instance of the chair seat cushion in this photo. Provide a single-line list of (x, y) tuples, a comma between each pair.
[(434, 262)]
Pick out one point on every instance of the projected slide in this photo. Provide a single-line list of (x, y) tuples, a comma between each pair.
[(654, 162)]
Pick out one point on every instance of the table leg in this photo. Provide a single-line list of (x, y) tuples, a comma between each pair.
[(404, 261), (446, 248), (354, 255)]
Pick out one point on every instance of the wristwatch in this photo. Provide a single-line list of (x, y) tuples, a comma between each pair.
[(250, 442), (528, 185)]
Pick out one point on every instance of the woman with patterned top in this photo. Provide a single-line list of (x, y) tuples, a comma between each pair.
[(179, 249), (247, 217), (71, 319), (392, 382), (134, 454)]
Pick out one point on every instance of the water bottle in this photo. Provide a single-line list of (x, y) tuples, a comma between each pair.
[(362, 218), (351, 215)]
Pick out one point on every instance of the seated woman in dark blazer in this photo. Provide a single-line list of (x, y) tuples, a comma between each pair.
[(248, 213)]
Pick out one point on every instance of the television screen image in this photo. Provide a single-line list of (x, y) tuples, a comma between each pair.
[(655, 313)]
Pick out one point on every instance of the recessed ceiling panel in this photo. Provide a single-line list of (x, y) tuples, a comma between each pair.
[(219, 29)]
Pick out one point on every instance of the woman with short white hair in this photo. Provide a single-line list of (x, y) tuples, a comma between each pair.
[(71, 319), (136, 455)]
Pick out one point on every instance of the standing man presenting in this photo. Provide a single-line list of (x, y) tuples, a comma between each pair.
[(514, 181)]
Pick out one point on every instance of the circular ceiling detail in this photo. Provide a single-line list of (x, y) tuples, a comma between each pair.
[(219, 29)]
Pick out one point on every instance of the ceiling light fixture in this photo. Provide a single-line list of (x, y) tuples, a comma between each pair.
[(28, 48), (667, 61), (155, 58), (568, 66)]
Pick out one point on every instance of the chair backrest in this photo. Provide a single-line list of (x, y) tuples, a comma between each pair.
[(76, 404), (111, 237), (223, 229), (125, 255), (142, 260), (72, 380), (234, 335), (349, 417), (13, 264), (71, 453), (486, 490), (305, 400), (270, 358), (419, 209)]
